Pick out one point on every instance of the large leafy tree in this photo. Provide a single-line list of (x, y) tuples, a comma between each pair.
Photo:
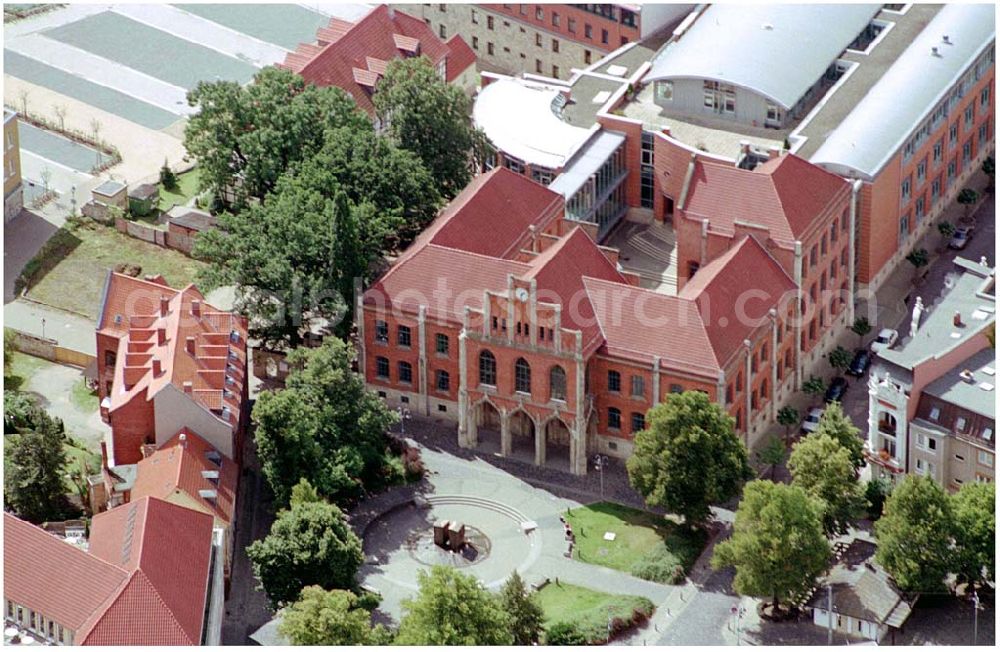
[(839, 427), (525, 613), (823, 469), (688, 457), (777, 547), (429, 117), (310, 543), (915, 534), (245, 137), (451, 608), (325, 426), (34, 461), (321, 617), (975, 531)]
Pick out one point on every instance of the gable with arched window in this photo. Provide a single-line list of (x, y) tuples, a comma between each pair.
[(522, 376), (557, 383), (487, 368)]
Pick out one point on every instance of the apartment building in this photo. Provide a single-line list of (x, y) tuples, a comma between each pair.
[(167, 360), (13, 190), (148, 575), (546, 39), (354, 55), (932, 398), (511, 321)]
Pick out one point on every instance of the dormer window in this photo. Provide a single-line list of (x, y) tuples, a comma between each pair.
[(214, 457), (226, 413), (208, 495), (211, 476), (234, 336)]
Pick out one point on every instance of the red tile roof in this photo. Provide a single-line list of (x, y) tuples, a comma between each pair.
[(383, 34), (52, 577), (170, 547), (132, 311), (177, 468), (785, 195), (460, 58), (735, 292)]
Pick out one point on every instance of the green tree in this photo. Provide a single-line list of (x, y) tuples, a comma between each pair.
[(429, 117), (946, 229), (989, 168), (918, 258), (814, 386), (304, 492), (167, 177), (321, 617), (967, 197), (34, 461), (772, 454), (310, 542), (788, 417), (9, 348), (839, 359), (688, 457), (974, 507), (777, 546), (523, 609), (245, 137), (861, 327), (876, 491), (451, 608), (914, 534), (823, 469), (839, 426), (325, 426)]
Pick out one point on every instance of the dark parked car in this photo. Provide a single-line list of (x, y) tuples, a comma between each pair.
[(859, 365), (836, 390)]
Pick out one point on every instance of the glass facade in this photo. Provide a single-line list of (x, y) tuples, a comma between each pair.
[(601, 199)]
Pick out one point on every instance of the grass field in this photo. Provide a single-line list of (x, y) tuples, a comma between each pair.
[(187, 186), (70, 269), (640, 537), (21, 369), (588, 610), (84, 399)]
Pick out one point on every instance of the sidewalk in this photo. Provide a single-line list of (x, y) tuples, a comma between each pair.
[(70, 330)]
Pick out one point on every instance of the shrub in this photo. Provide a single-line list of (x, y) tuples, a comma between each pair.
[(659, 565), (563, 633), (167, 177)]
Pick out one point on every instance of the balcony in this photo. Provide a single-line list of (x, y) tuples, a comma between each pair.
[(887, 428)]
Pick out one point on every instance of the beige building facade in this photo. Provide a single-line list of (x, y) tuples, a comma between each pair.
[(13, 190)]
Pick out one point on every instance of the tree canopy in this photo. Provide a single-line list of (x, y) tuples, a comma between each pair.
[(451, 608), (429, 117), (915, 533), (823, 469), (525, 613), (777, 547), (310, 543), (688, 457), (839, 427), (325, 426), (321, 617), (974, 508)]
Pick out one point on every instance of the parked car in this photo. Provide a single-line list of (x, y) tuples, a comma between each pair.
[(811, 422), (961, 237), (836, 390), (886, 339), (859, 365)]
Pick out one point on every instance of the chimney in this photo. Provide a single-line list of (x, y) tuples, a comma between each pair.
[(164, 306), (934, 52), (745, 146), (161, 336), (104, 456), (196, 307), (157, 368), (773, 152), (189, 344), (957, 319), (183, 438), (188, 387), (946, 39)]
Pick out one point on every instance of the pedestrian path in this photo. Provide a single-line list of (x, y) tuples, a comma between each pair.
[(70, 330)]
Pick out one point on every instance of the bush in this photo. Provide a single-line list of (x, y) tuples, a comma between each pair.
[(167, 177), (659, 565), (564, 633)]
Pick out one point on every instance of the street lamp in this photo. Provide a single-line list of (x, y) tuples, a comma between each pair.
[(739, 612), (975, 618), (600, 461), (43, 328), (404, 414)]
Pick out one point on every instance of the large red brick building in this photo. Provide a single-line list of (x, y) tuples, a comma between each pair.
[(511, 321)]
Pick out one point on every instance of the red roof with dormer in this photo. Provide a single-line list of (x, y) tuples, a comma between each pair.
[(353, 56)]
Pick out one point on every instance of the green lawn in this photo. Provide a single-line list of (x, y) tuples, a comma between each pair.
[(23, 366), (587, 609), (70, 269), (187, 186), (641, 538), (83, 398)]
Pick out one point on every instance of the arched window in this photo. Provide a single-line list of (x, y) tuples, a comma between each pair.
[(557, 383), (522, 376), (614, 418), (487, 368)]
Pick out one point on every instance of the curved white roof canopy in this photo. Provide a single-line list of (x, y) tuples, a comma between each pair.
[(886, 117), (518, 118), (778, 51)]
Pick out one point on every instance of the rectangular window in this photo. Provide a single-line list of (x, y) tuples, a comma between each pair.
[(919, 209), (614, 419), (403, 336), (905, 189), (904, 228), (381, 332), (539, 13), (638, 386), (588, 31), (475, 17), (935, 189), (986, 459), (555, 45), (953, 134), (614, 381), (475, 42), (555, 72), (405, 372), (922, 171), (538, 66), (555, 19), (513, 164), (382, 368), (586, 56), (443, 380), (970, 114), (938, 151), (984, 97), (538, 39), (571, 25), (489, 48), (664, 91), (489, 22), (442, 31), (813, 256), (604, 36), (960, 424), (952, 170), (926, 443), (638, 422), (441, 343)]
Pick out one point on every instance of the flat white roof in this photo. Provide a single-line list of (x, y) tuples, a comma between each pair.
[(879, 125), (586, 162), (518, 117), (778, 51)]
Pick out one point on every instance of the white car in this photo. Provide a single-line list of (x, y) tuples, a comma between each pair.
[(886, 340), (811, 422)]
